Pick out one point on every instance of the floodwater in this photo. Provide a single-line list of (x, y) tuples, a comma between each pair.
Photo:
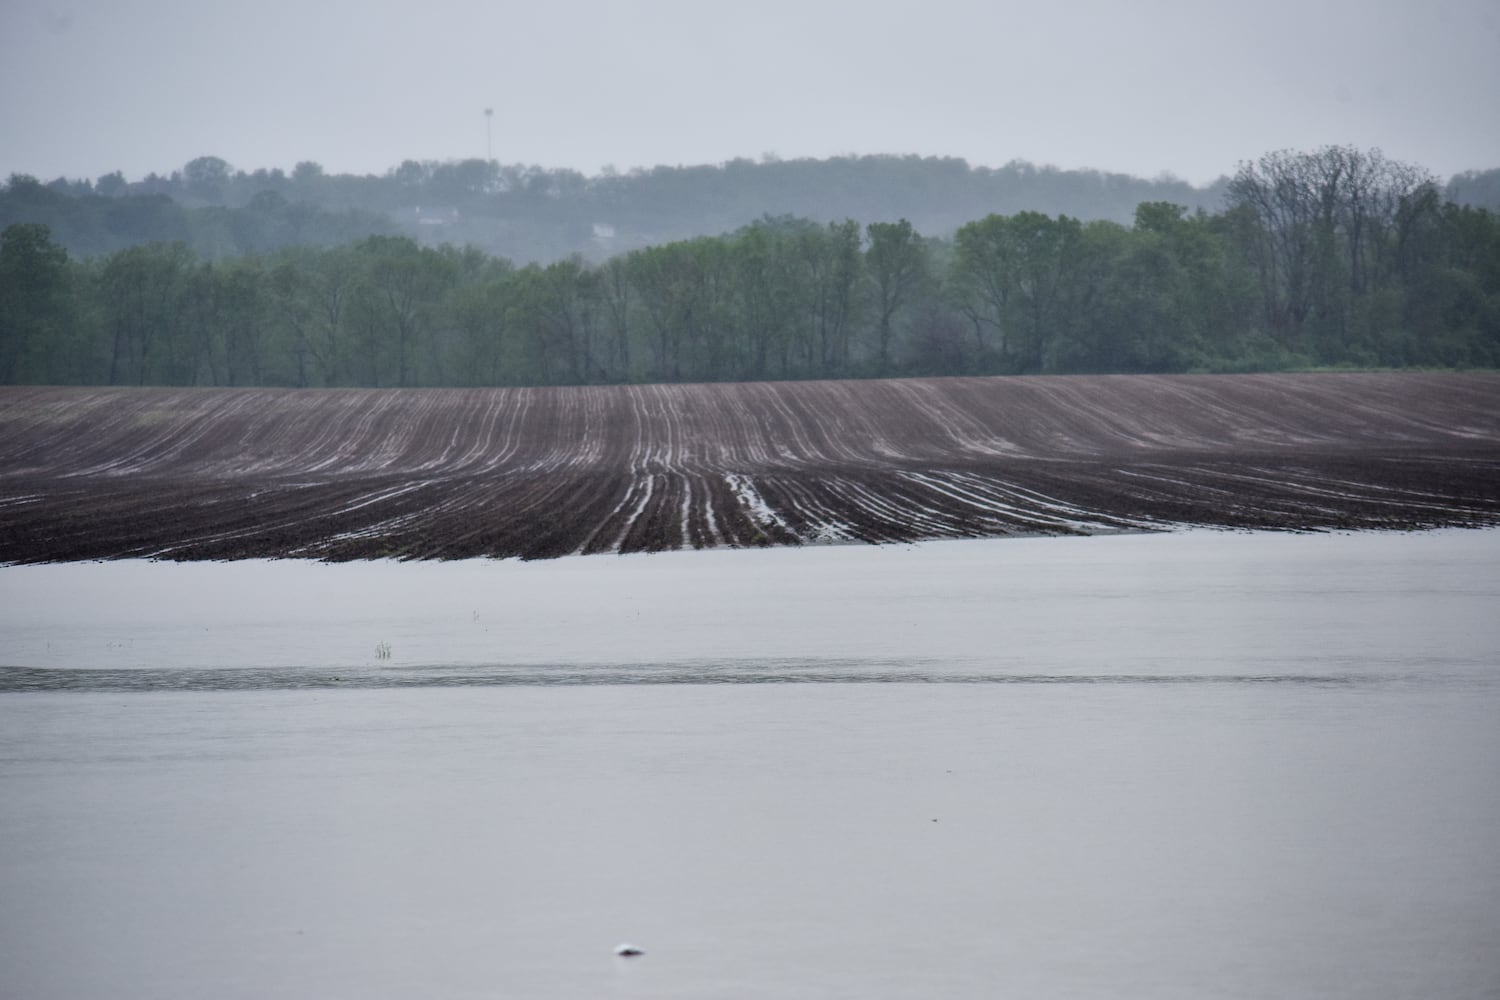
[(1190, 765)]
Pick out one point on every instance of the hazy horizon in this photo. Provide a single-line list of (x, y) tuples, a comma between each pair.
[(1190, 90)]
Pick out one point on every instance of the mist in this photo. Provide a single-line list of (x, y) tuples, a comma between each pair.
[(1184, 89)]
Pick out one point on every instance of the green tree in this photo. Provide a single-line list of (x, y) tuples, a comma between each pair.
[(205, 179), (617, 300), (481, 311), (765, 292), (896, 262), (398, 301), (308, 294), (984, 280), (559, 310), (34, 302), (1451, 270), (141, 292), (684, 290), (1009, 280), (831, 259)]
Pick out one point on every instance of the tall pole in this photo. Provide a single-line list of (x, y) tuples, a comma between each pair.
[(489, 147)]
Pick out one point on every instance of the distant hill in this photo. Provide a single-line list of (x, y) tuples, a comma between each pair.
[(532, 214), (1475, 188)]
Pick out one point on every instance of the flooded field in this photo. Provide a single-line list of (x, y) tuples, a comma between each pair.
[(1185, 765)]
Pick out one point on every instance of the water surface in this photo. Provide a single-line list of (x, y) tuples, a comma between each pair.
[(1192, 765)]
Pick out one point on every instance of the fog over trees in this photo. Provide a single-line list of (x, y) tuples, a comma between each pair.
[(747, 271), (534, 215)]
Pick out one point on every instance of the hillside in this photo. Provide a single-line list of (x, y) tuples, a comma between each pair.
[(533, 214), (528, 213), (351, 474)]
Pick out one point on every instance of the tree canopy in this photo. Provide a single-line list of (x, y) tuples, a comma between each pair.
[(1336, 257), (532, 214)]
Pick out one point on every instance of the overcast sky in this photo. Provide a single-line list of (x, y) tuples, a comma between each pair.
[(1136, 86)]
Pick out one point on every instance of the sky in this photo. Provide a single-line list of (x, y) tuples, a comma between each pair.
[(1144, 87)]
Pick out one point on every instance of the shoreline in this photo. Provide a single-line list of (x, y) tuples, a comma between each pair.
[(1169, 530)]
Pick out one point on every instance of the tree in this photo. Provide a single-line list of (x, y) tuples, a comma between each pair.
[(205, 177), (308, 293), (557, 311), (617, 301), (1190, 295), (225, 312), (1451, 270), (1008, 279), (1476, 189), (984, 279), (481, 312), (111, 184), (34, 302), (403, 285), (897, 268), (307, 173), (1327, 231), (764, 298), (684, 290), (462, 183), (832, 259), (142, 290)]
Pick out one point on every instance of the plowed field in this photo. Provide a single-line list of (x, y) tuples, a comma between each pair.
[(353, 474)]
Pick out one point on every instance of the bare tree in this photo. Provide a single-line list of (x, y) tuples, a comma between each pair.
[(1329, 225)]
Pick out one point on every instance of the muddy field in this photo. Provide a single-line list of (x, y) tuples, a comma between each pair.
[(353, 474)]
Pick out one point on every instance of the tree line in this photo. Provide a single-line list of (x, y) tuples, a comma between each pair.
[(88, 222), (1339, 257), (532, 214), (535, 214)]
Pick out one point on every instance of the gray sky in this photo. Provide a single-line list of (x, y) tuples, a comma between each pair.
[(1137, 86)]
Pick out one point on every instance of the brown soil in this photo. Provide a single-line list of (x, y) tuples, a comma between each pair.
[(353, 474)]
